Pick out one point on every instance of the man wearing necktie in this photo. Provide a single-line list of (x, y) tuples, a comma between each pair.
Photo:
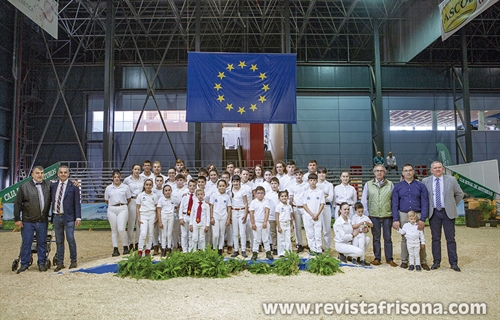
[(444, 196), (33, 200), (66, 215)]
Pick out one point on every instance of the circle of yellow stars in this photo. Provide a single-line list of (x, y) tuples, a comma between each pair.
[(242, 64)]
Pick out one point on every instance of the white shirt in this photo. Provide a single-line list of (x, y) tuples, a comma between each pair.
[(297, 191), (314, 199), (158, 192), (327, 188), (185, 203), (135, 185), (412, 234), (259, 209), (147, 201), (116, 195), (391, 161), (237, 197), (220, 203), (151, 176), (283, 211), (345, 194), (205, 215), (357, 219), (343, 230), (167, 205), (288, 180), (273, 200)]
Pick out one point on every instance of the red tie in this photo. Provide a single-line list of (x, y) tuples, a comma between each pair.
[(198, 213), (190, 204)]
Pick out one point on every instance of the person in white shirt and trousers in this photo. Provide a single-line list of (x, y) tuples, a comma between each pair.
[(199, 221), (146, 216), (414, 240)]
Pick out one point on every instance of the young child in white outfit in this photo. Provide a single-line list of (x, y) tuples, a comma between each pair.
[(146, 216), (185, 211), (361, 222), (220, 214), (259, 215), (165, 214), (284, 214), (200, 221), (414, 240)]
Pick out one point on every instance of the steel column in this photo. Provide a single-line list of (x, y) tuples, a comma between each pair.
[(109, 88)]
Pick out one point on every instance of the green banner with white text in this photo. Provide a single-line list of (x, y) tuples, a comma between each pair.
[(8, 195), (474, 189)]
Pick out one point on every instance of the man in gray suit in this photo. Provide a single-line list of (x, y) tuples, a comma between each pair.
[(444, 196), (33, 200)]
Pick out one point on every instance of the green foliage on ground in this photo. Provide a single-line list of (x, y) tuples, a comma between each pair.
[(289, 265), (324, 264)]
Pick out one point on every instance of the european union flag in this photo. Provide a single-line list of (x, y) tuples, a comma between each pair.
[(241, 87)]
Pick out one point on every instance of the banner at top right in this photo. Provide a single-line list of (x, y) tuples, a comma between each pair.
[(457, 13)]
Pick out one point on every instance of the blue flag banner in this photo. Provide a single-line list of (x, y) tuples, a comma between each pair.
[(241, 88)]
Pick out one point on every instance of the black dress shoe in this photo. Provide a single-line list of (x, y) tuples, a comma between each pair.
[(59, 267), (404, 265), (42, 268), (22, 269), (342, 258), (73, 265), (456, 268), (435, 266)]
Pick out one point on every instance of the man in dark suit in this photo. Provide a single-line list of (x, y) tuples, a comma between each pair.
[(444, 196), (66, 215), (33, 200)]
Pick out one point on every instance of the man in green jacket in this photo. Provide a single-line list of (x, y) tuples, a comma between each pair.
[(377, 195)]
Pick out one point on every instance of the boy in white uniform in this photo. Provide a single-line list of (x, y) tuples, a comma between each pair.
[(414, 240), (327, 188), (200, 221), (259, 214), (185, 211), (273, 199), (314, 202), (178, 192), (158, 190), (297, 200), (284, 215), (361, 222)]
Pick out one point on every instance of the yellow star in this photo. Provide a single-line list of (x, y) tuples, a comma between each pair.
[(254, 67), (253, 107), (262, 99), (241, 110), (265, 87), (242, 64), (218, 86), (221, 75), (262, 75), (229, 106), (230, 67), (221, 98)]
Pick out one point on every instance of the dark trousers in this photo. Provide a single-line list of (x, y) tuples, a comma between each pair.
[(382, 226), (440, 221), (61, 227), (28, 234)]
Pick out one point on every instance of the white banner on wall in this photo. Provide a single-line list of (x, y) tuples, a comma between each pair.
[(90, 211), (42, 12), (457, 13)]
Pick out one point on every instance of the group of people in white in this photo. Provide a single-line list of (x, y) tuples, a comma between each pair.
[(266, 208)]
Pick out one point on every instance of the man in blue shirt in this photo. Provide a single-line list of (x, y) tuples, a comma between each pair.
[(378, 160), (410, 195)]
